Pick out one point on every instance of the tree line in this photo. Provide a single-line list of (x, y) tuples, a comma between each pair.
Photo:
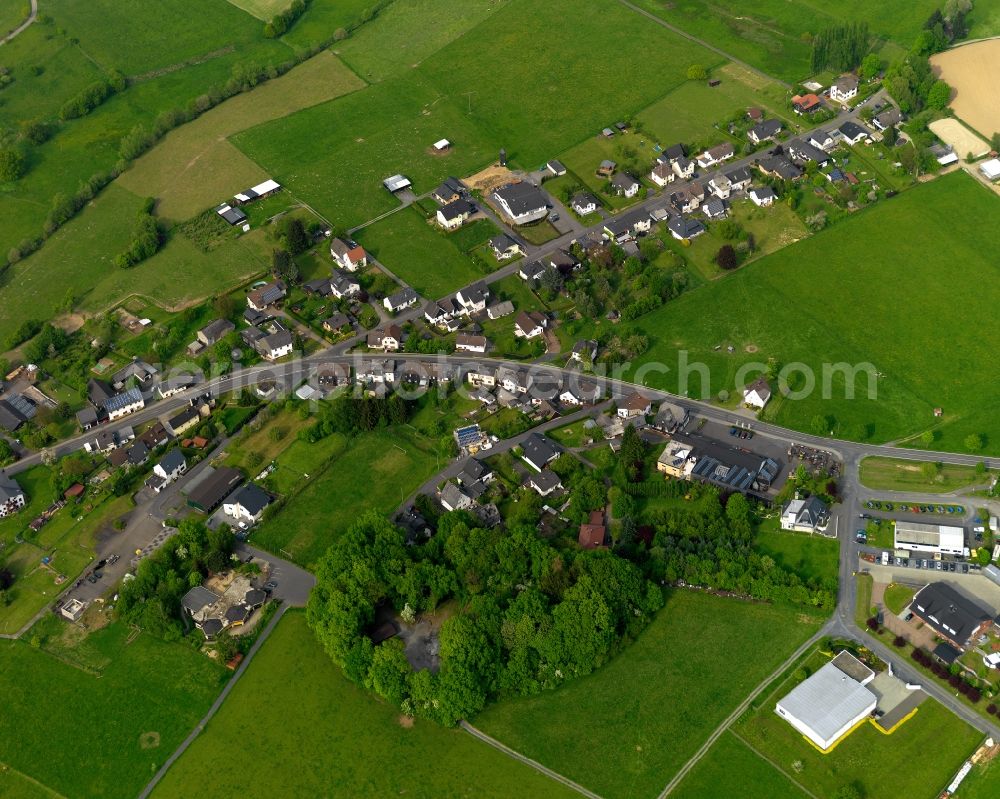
[(841, 47)]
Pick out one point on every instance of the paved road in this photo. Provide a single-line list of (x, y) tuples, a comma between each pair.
[(23, 26)]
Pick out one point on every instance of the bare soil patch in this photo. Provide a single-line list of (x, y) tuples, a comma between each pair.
[(488, 179), (973, 71), (959, 137)]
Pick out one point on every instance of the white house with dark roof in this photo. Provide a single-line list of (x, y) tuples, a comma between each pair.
[(584, 203), (765, 130), (762, 196), (504, 247), (530, 325), (757, 394), (455, 214), (276, 345), (401, 300), (844, 88), (805, 515), (521, 203), (625, 185), (248, 504), (12, 496)]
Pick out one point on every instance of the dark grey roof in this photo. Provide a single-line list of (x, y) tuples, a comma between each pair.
[(623, 180), (948, 612), (546, 480), (211, 627), (582, 199), (123, 400), (538, 450), (255, 596), (473, 470), (804, 151), (9, 488), (214, 488), (253, 498), (213, 331), (172, 460), (685, 227), (851, 130), (183, 417), (232, 215), (198, 598), (275, 341), (502, 243), (402, 297), (521, 198), (738, 175), (456, 208), (674, 152), (138, 453), (766, 129), (449, 187), (99, 392)]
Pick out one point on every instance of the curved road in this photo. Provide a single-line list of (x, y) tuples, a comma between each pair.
[(23, 26)]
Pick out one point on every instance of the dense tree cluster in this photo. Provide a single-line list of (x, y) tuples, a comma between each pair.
[(350, 415), (147, 238), (841, 47), (92, 96), (281, 23), (153, 599), (529, 617), (910, 80)]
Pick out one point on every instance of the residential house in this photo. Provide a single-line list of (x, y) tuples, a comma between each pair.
[(515, 381), (580, 393), (475, 471), (99, 392), (12, 496), (215, 331), (677, 459), (844, 88), (584, 203), (950, 614), (606, 169), (387, 339), (123, 404), (171, 466), (337, 324), (635, 404), (175, 385), (823, 140), (521, 203), (585, 350), (377, 372), (685, 228), (15, 410), (763, 196), (473, 298), (500, 309), (562, 261), (248, 504), (254, 317), (530, 271), (455, 214), (454, 498), (739, 179), (343, 285), (86, 418), (670, 417), (481, 377), (624, 227), (674, 153), (593, 533), (662, 174), (757, 394), (624, 185), (556, 168), (805, 515), (267, 295), (716, 155), (183, 421), (765, 130), (805, 103), (107, 440), (714, 209), (449, 191), (779, 166), (887, 119), (852, 133), (332, 375), (530, 325), (504, 247), (545, 482), (216, 485), (720, 186), (401, 300), (684, 168), (136, 371), (803, 152), (276, 345), (348, 254), (465, 342)]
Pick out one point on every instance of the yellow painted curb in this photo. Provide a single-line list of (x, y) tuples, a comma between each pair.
[(895, 726), (836, 743)]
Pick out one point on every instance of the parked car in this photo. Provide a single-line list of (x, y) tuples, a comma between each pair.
[(269, 586)]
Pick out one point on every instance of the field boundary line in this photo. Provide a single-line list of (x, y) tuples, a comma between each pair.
[(265, 634), (33, 781), (502, 747), (771, 763), (728, 721)]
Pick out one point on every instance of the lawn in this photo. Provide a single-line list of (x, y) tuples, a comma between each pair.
[(338, 742), (908, 243), (335, 155), (902, 770), (772, 34), (270, 441), (658, 700), (731, 768), (195, 167), (12, 14), (812, 557), (897, 597), (863, 584), (376, 472), (421, 254), (121, 723), (898, 474), (983, 782), (264, 10)]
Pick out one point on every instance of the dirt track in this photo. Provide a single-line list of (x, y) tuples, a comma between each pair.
[(973, 71)]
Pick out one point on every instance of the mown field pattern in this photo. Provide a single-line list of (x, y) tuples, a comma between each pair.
[(339, 741), (658, 700), (860, 293)]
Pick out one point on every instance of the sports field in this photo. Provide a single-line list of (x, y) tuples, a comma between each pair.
[(335, 155), (903, 768), (653, 705), (376, 471), (856, 293), (196, 167), (773, 35), (102, 728), (421, 254), (336, 740)]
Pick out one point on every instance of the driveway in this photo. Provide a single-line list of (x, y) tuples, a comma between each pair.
[(293, 582)]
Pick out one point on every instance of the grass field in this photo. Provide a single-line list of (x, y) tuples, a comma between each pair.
[(122, 722), (339, 741), (12, 14), (336, 154), (897, 597), (421, 254), (264, 10), (809, 556), (196, 167), (389, 47), (897, 474), (78, 259), (657, 701), (376, 471), (908, 243), (902, 771), (731, 768), (983, 782), (771, 34)]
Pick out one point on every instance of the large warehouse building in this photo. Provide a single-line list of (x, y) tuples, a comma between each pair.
[(828, 704), (935, 538)]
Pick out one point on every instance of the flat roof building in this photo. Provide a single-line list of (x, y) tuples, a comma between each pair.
[(935, 538), (828, 704)]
